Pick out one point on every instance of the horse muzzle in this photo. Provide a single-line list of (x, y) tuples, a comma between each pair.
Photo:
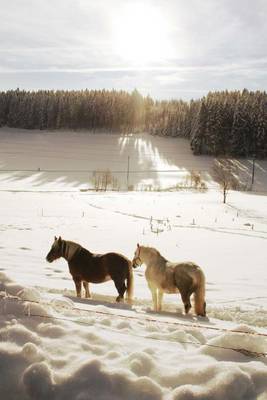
[(49, 258), (137, 262)]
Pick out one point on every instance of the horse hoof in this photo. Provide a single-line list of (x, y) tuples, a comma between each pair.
[(187, 308), (119, 299)]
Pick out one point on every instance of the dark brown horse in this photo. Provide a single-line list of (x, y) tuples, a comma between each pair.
[(86, 267)]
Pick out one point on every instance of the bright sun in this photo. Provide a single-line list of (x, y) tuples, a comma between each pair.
[(140, 35)]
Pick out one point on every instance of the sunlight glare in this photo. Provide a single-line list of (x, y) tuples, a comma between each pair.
[(140, 35)]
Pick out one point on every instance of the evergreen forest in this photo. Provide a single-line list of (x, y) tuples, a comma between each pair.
[(225, 123)]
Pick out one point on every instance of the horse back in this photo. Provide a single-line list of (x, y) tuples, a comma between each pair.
[(97, 268), (117, 265), (187, 275)]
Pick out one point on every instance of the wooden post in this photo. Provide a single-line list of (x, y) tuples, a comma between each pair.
[(128, 172), (253, 170)]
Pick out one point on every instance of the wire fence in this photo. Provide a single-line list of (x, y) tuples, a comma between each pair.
[(136, 178), (244, 351), (122, 171), (102, 179)]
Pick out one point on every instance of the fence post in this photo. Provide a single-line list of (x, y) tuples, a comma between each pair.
[(253, 170), (128, 172)]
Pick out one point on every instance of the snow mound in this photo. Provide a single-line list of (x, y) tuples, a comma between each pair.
[(31, 352), (141, 363), (90, 381), (51, 330), (220, 382), (18, 300), (62, 303), (9, 305), (37, 379), (241, 343), (123, 325), (257, 317), (29, 294), (13, 289), (19, 334)]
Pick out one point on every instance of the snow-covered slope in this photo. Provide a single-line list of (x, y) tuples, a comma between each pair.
[(62, 160), (55, 347)]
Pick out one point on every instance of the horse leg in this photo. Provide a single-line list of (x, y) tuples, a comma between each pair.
[(185, 294), (154, 294), (87, 291), (160, 297), (121, 288), (78, 285), (185, 285), (155, 298)]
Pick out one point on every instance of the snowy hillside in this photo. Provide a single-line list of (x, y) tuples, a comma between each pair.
[(64, 160), (54, 347)]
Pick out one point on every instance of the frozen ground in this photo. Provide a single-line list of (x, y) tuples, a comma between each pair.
[(54, 347)]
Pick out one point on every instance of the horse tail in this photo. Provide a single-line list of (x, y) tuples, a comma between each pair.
[(130, 283), (199, 295)]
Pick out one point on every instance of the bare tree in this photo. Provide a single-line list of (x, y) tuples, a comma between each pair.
[(106, 179), (97, 180), (224, 172), (115, 184), (195, 179), (102, 179)]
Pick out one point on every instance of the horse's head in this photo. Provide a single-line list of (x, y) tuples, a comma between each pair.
[(137, 261), (55, 251)]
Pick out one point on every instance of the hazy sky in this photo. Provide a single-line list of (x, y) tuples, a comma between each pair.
[(165, 48)]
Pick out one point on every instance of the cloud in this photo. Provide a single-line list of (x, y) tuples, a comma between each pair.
[(216, 44)]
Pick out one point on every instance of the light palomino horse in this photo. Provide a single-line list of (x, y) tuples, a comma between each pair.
[(170, 277), (85, 267)]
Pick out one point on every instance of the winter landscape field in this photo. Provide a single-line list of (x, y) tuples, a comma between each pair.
[(56, 347)]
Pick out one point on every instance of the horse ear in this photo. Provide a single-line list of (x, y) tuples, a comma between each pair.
[(59, 239), (55, 238), (138, 245)]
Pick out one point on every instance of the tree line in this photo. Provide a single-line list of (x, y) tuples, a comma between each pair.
[(84, 109), (226, 123), (220, 124)]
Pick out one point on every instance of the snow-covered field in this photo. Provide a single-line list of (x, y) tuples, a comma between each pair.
[(66, 160), (54, 347)]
